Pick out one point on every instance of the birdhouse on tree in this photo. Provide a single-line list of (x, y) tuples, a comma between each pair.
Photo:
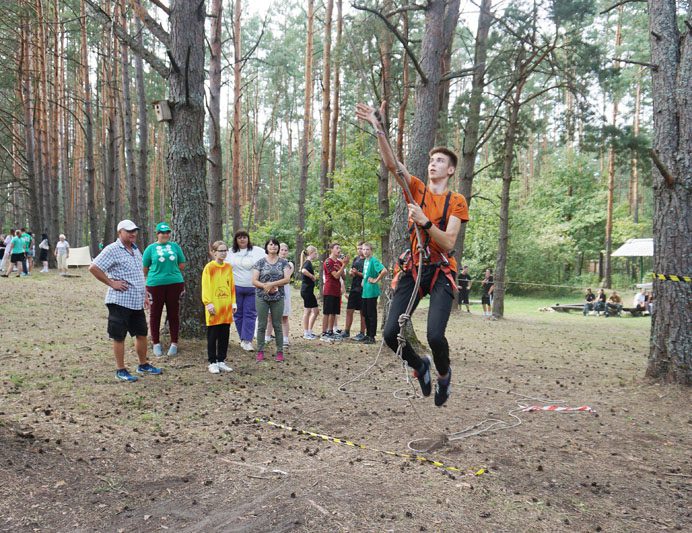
[(162, 110)]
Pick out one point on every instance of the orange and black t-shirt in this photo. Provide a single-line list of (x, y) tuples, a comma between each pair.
[(433, 207)]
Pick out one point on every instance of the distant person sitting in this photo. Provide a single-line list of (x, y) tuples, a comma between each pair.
[(588, 301), (600, 304), (650, 302), (639, 302), (614, 304)]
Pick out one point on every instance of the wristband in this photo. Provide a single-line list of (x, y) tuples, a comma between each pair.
[(427, 225)]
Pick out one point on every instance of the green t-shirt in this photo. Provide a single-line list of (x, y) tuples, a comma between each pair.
[(17, 245), (27, 242), (162, 260), (371, 269)]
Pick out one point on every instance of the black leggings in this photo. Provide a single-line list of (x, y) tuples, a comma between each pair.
[(369, 311), (441, 298), (217, 342)]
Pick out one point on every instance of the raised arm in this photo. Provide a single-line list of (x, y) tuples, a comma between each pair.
[(370, 114)]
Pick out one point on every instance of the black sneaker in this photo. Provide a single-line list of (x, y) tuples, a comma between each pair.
[(424, 376), (368, 340), (443, 389), (345, 334)]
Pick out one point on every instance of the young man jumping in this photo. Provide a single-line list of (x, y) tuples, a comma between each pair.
[(438, 213)]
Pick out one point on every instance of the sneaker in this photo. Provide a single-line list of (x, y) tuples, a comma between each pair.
[(326, 337), (345, 334), (214, 368), (442, 389), (247, 346), (336, 336), (146, 368), (424, 377), (309, 336), (279, 357), (221, 365), (173, 349), (286, 342), (124, 375), (158, 350), (368, 340), (269, 338), (260, 356), (359, 337)]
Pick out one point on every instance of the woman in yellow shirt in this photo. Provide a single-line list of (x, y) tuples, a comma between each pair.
[(218, 297)]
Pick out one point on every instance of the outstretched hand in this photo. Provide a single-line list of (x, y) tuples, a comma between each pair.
[(369, 114)]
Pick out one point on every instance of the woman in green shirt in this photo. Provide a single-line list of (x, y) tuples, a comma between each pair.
[(164, 262)]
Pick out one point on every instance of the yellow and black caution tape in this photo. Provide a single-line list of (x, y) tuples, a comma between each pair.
[(337, 440), (671, 277)]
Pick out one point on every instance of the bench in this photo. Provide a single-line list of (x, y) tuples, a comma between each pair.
[(566, 308)]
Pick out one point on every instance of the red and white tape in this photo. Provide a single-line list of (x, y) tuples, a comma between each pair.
[(560, 408)]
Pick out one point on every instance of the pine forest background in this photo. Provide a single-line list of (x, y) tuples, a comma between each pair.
[(81, 148)]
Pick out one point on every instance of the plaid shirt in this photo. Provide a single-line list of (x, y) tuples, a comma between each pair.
[(119, 264)]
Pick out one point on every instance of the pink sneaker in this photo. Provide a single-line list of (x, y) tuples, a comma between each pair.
[(279, 357), (260, 356)]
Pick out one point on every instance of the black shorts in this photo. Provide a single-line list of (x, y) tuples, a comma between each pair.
[(485, 299), (16, 258), (332, 305), (354, 300), (464, 296), (309, 300), (43, 255), (122, 321)]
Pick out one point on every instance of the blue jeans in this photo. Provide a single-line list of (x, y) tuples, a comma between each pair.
[(246, 313)]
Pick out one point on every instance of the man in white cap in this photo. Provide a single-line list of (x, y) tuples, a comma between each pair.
[(119, 265)]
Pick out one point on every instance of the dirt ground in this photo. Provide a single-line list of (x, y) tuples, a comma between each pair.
[(182, 451)]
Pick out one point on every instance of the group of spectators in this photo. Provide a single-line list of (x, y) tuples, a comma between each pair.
[(612, 305), (18, 252)]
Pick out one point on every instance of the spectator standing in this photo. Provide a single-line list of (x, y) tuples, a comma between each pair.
[(269, 275), (28, 239), (465, 287), (242, 257), (164, 262), (373, 272), (355, 295), (2, 250), (62, 253), (218, 297), (307, 292), (487, 287), (333, 270), (283, 254), (588, 301), (16, 252), (119, 266), (44, 250)]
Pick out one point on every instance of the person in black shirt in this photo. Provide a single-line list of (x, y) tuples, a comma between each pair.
[(307, 292), (600, 304), (464, 287), (588, 301), (354, 296), (487, 286)]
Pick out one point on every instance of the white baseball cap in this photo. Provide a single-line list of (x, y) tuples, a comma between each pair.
[(127, 225)]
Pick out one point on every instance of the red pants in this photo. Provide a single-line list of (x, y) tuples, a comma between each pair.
[(168, 295)]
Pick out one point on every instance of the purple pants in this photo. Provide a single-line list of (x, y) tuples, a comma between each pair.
[(246, 314)]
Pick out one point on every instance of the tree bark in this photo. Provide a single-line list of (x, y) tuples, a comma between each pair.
[(470, 146), (634, 175), (670, 357), (215, 156), (305, 145), (187, 157), (325, 185), (337, 88), (143, 129), (236, 192)]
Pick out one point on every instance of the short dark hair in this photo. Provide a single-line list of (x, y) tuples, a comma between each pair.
[(241, 233), (271, 240), (446, 151)]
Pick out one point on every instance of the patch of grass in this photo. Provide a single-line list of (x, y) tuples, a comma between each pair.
[(17, 380)]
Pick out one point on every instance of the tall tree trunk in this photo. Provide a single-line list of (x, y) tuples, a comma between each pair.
[(634, 176), (325, 227), (143, 129), (307, 116), (470, 145), (128, 138), (237, 114), (89, 139), (670, 358), (608, 270), (386, 41), (187, 158), (215, 157), (337, 88), (401, 116)]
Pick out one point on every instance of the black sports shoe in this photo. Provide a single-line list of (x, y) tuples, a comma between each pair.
[(424, 376), (368, 340), (442, 389)]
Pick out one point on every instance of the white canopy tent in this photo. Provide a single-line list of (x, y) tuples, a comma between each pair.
[(79, 257), (635, 248)]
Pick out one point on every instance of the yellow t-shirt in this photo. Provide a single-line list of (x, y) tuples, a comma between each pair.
[(218, 289)]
